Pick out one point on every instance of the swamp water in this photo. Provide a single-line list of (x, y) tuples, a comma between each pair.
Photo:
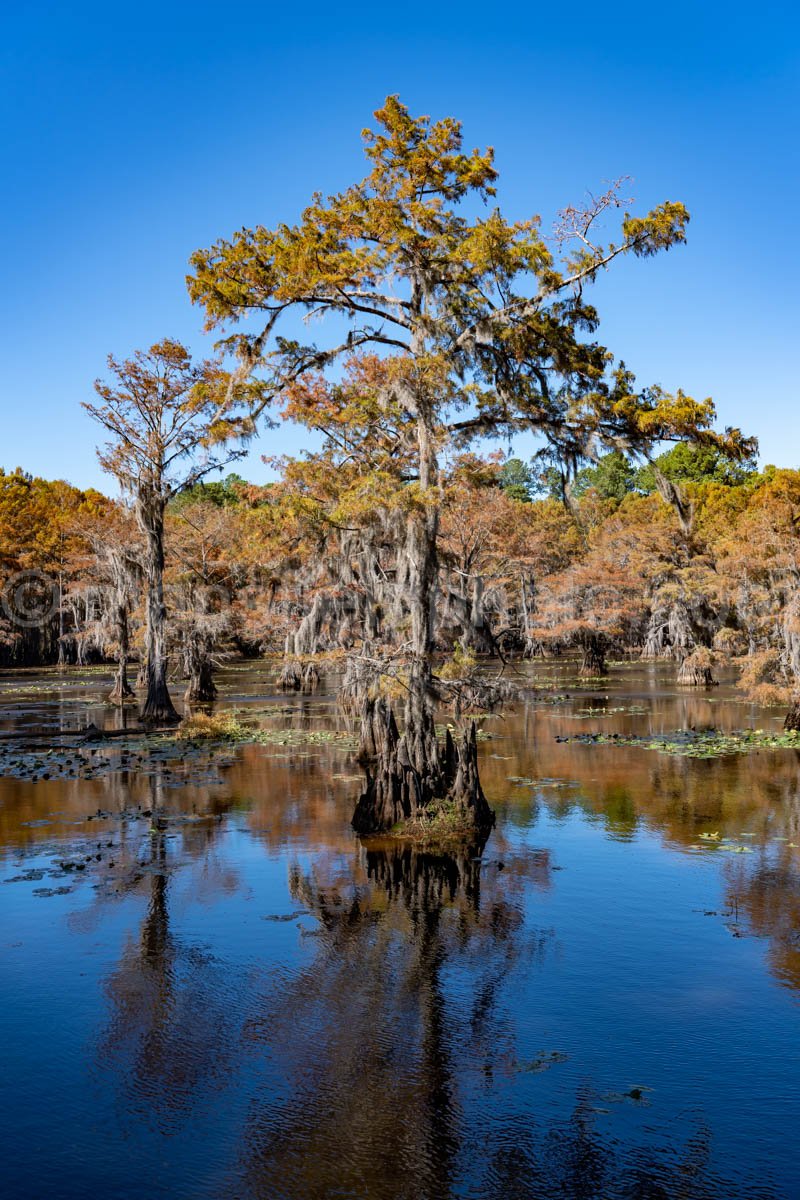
[(247, 1002)]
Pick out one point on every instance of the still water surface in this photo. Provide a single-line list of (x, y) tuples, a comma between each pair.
[(250, 1003)]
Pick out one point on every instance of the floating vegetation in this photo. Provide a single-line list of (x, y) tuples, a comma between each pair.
[(690, 743), (713, 841), (51, 687), (227, 727), (336, 739), (598, 711), (175, 762), (193, 754), (482, 735), (288, 710), (526, 781), (585, 682)]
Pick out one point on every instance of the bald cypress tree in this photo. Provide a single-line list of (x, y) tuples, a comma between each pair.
[(160, 410), (485, 329)]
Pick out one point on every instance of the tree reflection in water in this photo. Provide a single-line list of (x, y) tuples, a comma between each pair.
[(380, 1058), (380, 1068), (371, 1039), (577, 1160), (384, 1053), (174, 1032), (764, 901)]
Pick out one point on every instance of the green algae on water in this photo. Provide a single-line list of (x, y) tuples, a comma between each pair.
[(696, 744)]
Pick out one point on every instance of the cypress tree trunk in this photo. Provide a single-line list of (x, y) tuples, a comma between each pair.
[(158, 706), (297, 673), (531, 646), (423, 568), (655, 643), (792, 722), (696, 670), (297, 676), (197, 651), (122, 689), (407, 773), (201, 684), (62, 649), (401, 798), (594, 657)]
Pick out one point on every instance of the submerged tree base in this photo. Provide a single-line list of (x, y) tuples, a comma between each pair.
[(157, 717), (696, 670), (445, 803), (201, 690), (159, 710), (792, 721), (297, 676), (696, 677), (122, 694), (593, 663)]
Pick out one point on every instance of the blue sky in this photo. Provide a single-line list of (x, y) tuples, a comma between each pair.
[(132, 134)]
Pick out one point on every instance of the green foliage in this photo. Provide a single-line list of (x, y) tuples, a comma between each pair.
[(613, 477), (461, 664), (688, 463), (222, 493), (518, 480), (549, 483), (224, 726)]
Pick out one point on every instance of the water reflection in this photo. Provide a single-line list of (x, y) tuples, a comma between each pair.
[(764, 901), (172, 1031), (372, 1038), (577, 1160), (278, 1010), (378, 1070)]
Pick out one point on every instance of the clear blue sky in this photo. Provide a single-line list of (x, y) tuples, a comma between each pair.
[(133, 134)]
